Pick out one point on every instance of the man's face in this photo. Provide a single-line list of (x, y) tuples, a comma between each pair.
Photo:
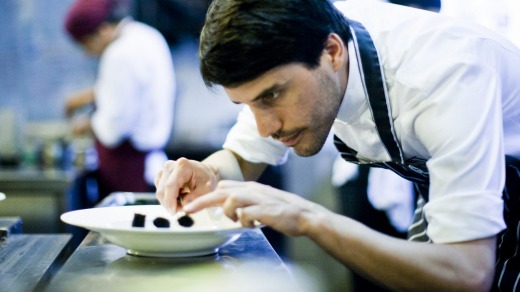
[(95, 43), (293, 104)]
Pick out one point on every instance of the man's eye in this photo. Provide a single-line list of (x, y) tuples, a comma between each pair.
[(270, 96)]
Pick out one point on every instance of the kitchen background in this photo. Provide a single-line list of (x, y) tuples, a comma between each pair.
[(40, 66)]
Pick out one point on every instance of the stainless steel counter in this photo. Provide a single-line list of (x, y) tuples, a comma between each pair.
[(39, 196), (248, 264), (34, 179), (27, 262)]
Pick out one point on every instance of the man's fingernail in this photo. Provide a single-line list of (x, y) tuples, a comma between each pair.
[(187, 208)]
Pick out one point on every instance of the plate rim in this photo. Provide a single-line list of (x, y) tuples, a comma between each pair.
[(130, 229)]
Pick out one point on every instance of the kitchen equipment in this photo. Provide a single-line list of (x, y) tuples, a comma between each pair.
[(11, 133)]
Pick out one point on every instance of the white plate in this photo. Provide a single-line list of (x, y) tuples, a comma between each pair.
[(206, 235)]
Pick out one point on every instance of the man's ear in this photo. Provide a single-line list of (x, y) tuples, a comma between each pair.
[(336, 50)]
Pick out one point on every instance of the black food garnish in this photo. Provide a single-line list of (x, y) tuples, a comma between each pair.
[(138, 220), (185, 221), (161, 222)]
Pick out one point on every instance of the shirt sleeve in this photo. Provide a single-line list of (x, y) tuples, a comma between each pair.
[(244, 139), (460, 125)]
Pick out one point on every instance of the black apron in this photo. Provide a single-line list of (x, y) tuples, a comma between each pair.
[(507, 272)]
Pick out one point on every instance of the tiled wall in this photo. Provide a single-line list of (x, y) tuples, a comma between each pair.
[(39, 64)]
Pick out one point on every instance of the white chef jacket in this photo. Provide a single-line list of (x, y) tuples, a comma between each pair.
[(135, 90), (454, 95)]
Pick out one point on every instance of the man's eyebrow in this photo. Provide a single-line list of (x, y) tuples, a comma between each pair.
[(274, 88)]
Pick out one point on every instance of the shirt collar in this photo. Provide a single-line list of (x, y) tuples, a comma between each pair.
[(120, 26)]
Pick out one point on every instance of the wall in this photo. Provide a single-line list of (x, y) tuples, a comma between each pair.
[(39, 65)]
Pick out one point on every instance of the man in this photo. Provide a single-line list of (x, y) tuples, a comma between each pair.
[(433, 99), (133, 94)]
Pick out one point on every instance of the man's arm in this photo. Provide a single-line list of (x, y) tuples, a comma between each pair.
[(77, 100), (401, 264), (231, 166), (395, 263)]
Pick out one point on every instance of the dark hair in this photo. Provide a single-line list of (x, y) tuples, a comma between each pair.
[(242, 39), (119, 10)]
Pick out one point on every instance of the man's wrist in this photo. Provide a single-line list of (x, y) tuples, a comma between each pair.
[(312, 221), (215, 176)]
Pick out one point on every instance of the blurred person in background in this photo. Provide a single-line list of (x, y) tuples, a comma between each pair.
[(403, 89), (132, 98)]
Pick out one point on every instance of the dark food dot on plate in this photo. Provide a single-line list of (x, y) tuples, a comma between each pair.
[(138, 220), (185, 221), (161, 222)]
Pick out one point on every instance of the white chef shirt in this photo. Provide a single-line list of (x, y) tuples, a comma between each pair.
[(455, 101), (135, 90)]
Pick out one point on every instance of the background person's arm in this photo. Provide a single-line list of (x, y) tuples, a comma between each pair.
[(78, 100)]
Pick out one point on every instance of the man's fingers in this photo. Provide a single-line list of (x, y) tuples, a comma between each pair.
[(158, 186), (232, 196), (209, 200), (168, 189)]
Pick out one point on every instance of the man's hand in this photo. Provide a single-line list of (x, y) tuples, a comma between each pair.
[(78, 100), (190, 177), (81, 126), (250, 201)]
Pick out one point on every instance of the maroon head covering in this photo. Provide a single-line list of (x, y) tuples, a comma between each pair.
[(84, 17)]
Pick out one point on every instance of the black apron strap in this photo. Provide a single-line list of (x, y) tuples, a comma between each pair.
[(415, 169), (417, 231), (346, 152), (375, 87), (507, 271)]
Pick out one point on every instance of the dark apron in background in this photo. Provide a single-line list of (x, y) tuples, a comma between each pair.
[(507, 271), (121, 169)]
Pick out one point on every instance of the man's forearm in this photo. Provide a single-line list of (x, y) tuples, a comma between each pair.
[(224, 165), (401, 264), (230, 166)]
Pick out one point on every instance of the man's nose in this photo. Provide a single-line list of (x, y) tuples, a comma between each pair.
[(267, 122)]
